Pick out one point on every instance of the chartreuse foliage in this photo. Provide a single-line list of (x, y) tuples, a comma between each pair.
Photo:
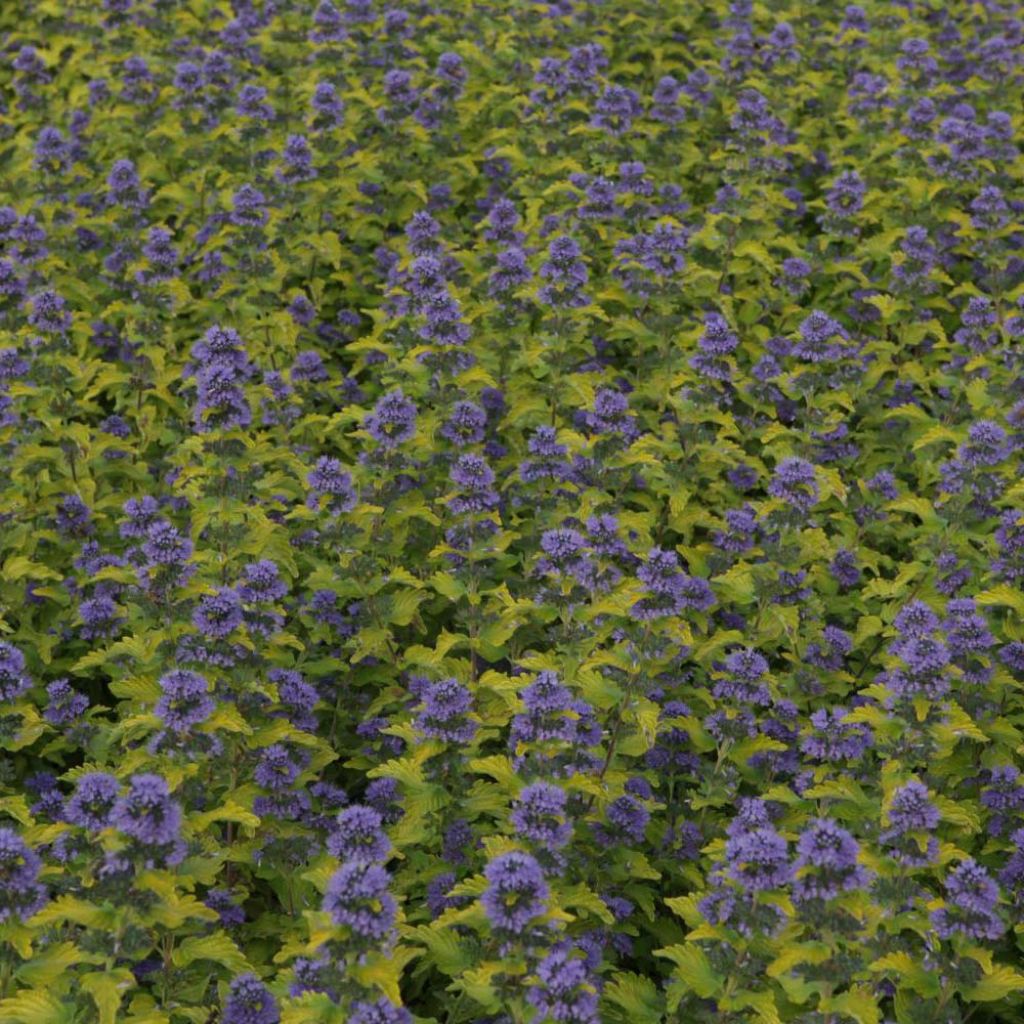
[(511, 512)]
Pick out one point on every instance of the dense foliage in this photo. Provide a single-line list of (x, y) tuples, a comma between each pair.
[(511, 512)]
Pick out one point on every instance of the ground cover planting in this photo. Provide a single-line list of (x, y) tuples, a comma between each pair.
[(511, 512)]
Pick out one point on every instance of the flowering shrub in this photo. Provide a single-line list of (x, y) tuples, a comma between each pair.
[(511, 512)]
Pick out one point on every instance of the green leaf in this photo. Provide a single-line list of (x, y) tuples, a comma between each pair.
[(867, 627), (735, 585), (858, 1003), (580, 897), (34, 1007), (229, 812), (1002, 594), (885, 304), (743, 751), (49, 965), (904, 1004), (920, 507), (996, 985), (404, 605), (802, 953), (219, 948), (383, 972), (935, 434), (693, 969), (70, 908), (328, 246), (762, 1003), (309, 1008), (477, 984), (497, 766), (900, 963), (445, 583), (106, 990), (757, 252), (960, 724), (446, 952), (636, 997), (17, 807), (958, 813), (19, 567), (686, 908)]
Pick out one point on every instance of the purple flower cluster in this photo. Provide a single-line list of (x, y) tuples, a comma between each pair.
[(912, 816), (826, 862), (221, 369), (565, 275), (757, 857), (249, 1001), (446, 705), (516, 892), (14, 680), (329, 478), (972, 897), (21, 895), (669, 590), (795, 483), (185, 703), (564, 990), (359, 835), (357, 898)]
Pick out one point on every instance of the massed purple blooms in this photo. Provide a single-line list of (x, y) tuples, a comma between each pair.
[(219, 614), (516, 892), (912, 815), (357, 898), (565, 989), (565, 275), (329, 478), (465, 425), (475, 480), (380, 1011), (446, 705), (358, 835), (65, 705), (539, 815), (795, 483), (669, 590), (393, 420), (261, 583), (14, 680), (91, 806), (826, 863), (146, 811), (743, 680), (757, 857), (833, 738), (249, 1001), (21, 895), (552, 713), (185, 702), (972, 898)]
